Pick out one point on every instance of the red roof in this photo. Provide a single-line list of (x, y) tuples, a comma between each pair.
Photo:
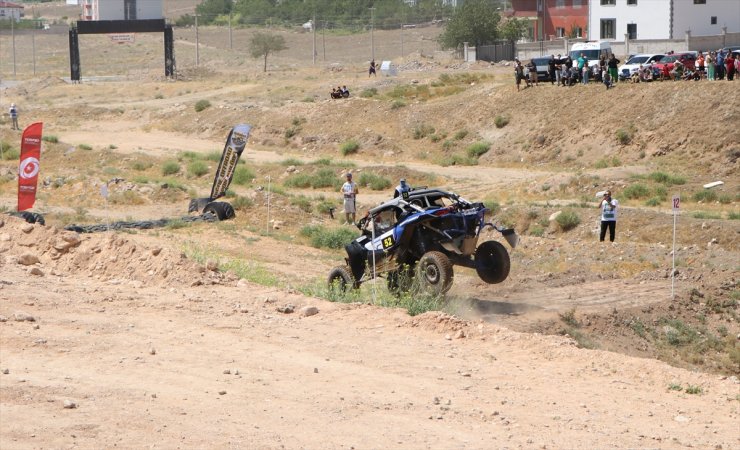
[(10, 5)]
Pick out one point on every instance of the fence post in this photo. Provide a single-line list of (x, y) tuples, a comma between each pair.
[(465, 51), (626, 44), (724, 37), (688, 40)]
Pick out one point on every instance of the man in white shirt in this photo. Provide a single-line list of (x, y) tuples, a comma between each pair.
[(609, 207), (350, 191)]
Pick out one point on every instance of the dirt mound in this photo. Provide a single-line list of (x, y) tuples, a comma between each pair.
[(113, 258)]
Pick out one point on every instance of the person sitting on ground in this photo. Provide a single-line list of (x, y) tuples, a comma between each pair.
[(635, 78), (564, 75), (574, 75), (335, 93), (677, 72), (345, 92), (607, 80)]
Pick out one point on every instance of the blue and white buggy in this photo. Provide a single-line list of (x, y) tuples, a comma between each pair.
[(419, 237)]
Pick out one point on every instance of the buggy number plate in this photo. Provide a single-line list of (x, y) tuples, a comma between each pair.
[(405, 195), (388, 242)]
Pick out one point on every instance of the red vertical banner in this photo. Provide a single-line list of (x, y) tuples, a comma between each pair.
[(28, 171)]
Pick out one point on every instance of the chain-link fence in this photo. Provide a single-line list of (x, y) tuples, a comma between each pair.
[(29, 53)]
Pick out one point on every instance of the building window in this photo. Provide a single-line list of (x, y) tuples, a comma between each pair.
[(632, 31), (560, 32), (700, 2), (632, 2), (610, 2), (577, 4), (713, 20), (608, 28), (559, 4)]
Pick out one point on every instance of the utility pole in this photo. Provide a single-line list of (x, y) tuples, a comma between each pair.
[(231, 39), (372, 30), (402, 41), (197, 50), (313, 32), (12, 32), (33, 49)]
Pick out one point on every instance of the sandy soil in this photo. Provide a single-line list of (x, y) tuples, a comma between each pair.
[(163, 364)]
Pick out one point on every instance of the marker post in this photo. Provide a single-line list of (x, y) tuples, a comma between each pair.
[(269, 182), (676, 206)]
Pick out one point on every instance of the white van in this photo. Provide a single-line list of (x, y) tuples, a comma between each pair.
[(591, 50)]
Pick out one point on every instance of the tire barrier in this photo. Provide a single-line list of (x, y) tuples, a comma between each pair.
[(29, 217), (141, 225)]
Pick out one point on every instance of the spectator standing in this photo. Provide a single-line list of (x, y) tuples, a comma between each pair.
[(551, 70), (602, 65), (609, 207), (612, 64), (585, 72), (371, 70), (700, 62), (720, 64), (349, 191), (709, 62), (558, 69), (533, 73), (13, 112), (730, 67), (518, 73)]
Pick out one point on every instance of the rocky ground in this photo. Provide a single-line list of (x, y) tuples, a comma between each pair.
[(215, 335)]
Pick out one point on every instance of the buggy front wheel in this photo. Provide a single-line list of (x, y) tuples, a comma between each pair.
[(340, 278)]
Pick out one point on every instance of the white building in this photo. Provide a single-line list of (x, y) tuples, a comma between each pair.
[(661, 19), (121, 9), (10, 11)]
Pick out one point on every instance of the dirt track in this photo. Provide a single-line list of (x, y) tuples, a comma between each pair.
[(149, 369)]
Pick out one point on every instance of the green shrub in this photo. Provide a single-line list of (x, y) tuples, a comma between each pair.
[(292, 131), (568, 220), (291, 162), (667, 179), (213, 156), (197, 168), (374, 182), (624, 137), (725, 199), (705, 215), (323, 178), (635, 191), (308, 100), (660, 192), (653, 201), (84, 147), (492, 204), (325, 206), (435, 138), (368, 93), (50, 138), (501, 121), (448, 144), (322, 237), (242, 176), (398, 103), (349, 147), (733, 215), (11, 154), (477, 149), (170, 168), (200, 105), (242, 203), (460, 135), (302, 202), (705, 196), (141, 165), (422, 130), (537, 231), (297, 121), (458, 160)]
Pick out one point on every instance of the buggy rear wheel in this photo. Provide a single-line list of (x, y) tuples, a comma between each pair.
[(340, 278), (222, 210), (434, 272), (492, 262)]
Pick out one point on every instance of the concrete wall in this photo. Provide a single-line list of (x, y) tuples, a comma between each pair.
[(650, 16), (697, 18)]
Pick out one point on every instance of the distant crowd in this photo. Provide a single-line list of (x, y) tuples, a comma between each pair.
[(564, 71)]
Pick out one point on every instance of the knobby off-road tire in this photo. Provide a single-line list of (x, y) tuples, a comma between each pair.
[(30, 217), (198, 204), (400, 280), (434, 273), (492, 262), (340, 279), (222, 210)]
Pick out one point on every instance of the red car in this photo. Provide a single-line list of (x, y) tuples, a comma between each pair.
[(665, 65)]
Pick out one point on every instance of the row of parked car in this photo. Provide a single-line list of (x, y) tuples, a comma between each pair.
[(633, 63)]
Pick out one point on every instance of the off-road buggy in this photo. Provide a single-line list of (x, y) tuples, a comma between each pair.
[(419, 237)]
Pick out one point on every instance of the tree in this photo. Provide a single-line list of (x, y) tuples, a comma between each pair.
[(513, 29), (209, 9), (476, 22), (262, 44)]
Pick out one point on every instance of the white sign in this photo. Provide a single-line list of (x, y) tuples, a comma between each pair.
[(122, 38), (676, 204)]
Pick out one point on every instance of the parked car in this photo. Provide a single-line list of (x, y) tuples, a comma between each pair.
[(665, 65), (633, 63), (543, 68)]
